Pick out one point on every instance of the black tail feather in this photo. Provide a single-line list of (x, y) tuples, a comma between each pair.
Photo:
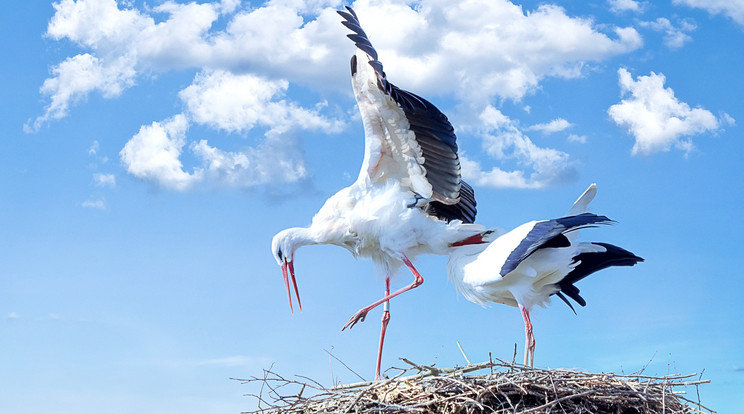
[(591, 263)]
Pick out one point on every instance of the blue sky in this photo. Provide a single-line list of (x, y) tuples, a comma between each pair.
[(150, 150)]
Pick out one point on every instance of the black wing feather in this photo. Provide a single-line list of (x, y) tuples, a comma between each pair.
[(594, 262), (543, 232), (465, 210), (429, 125)]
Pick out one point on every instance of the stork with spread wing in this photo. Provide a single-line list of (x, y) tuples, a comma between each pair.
[(409, 198)]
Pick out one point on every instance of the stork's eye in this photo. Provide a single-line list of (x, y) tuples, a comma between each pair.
[(279, 253)]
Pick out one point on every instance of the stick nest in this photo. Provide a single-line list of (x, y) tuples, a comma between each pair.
[(505, 388)]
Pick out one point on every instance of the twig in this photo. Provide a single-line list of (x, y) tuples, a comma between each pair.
[(344, 364), (463, 353)]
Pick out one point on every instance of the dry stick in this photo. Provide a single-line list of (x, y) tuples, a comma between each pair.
[(463, 353), (698, 403), (490, 361), (347, 367), (697, 388), (647, 363), (359, 397)]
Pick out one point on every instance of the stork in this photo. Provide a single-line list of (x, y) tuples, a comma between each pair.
[(527, 265), (408, 199)]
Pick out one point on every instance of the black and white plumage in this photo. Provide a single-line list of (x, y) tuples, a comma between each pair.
[(527, 265), (408, 199)]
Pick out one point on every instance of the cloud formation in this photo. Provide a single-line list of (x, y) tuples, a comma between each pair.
[(475, 51), (537, 167), (95, 203), (238, 103), (556, 125), (104, 180), (235, 104), (655, 117), (620, 6), (731, 8), (154, 154), (674, 36)]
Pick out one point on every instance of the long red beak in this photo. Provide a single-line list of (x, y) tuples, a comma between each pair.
[(288, 271)]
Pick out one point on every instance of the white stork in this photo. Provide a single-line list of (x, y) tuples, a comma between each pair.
[(409, 198), (527, 265)]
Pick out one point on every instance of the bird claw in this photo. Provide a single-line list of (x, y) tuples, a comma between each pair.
[(358, 317)]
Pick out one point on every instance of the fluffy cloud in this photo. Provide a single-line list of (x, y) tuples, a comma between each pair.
[(478, 49), (104, 180), (503, 140), (95, 203), (579, 139), (553, 126), (154, 154), (475, 50), (619, 6), (731, 8), (236, 103), (276, 160), (655, 117), (233, 103), (674, 36), (76, 77)]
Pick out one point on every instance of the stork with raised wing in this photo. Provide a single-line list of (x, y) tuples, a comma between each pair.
[(409, 198), (527, 265)]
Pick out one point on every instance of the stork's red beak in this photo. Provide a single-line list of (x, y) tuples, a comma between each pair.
[(288, 271)]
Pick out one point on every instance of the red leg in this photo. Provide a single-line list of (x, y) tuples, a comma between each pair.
[(385, 320), (362, 313), (529, 342)]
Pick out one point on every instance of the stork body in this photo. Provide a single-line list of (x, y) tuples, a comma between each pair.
[(409, 198), (527, 265)]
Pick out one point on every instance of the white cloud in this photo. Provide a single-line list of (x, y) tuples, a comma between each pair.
[(619, 6), (556, 125), (503, 140), (674, 36), (95, 203), (476, 51), (728, 119), (655, 117), (154, 154), (236, 103), (94, 147), (233, 103), (76, 77), (731, 8), (104, 180), (580, 139), (13, 315), (276, 160)]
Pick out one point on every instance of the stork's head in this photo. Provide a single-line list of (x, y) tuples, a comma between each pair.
[(283, 246)]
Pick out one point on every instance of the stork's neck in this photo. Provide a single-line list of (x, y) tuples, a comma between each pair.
[(304, 236)]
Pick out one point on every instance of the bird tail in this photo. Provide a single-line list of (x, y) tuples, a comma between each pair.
[(590, 262), (581, 205)]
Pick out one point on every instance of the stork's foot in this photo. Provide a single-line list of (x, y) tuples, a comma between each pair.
[(358, 317)]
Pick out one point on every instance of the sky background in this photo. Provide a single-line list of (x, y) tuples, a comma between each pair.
[(150, 151)]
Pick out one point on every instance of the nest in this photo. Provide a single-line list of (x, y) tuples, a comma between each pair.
[(505, 388)]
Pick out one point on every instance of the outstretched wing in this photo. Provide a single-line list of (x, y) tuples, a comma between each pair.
[(406, 137)]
